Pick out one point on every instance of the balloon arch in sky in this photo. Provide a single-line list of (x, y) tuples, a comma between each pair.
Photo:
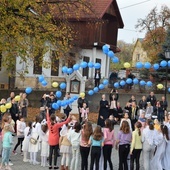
[(109, 53)]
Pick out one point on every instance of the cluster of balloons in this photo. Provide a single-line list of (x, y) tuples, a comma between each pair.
[(3, 108), (61, 103), (42, 80), (101, 87), (110, 53), (148, 65), (83, 64)]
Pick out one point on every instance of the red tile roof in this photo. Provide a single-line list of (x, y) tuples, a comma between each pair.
[(95, 9)]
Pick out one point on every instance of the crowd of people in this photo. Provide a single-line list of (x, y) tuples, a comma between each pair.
[(144, 128)]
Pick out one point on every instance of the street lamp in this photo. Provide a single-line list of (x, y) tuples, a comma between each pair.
[(167, 56)]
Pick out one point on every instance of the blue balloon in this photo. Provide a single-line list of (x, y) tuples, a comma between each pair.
[(129, 81), (90, 92), (142, 83), (67, 102), (59, 102), (62, 85), (63, 103), (75, 97), (169, 63), (76, 67), (163, 63), (58, 94), (105, 49), (69, 70), (110, 54), (96, 89), (135, 81), (40, 78), (147, 65), (115, 59), (149, 83), (90, 64), (97, 65), (44, 82), (122, 82), (28, 90), (116, 85), (105, 82), (55, 106), (101, 86), (156, 66), (64, 69), (71, 100), (139, 65), (83, 64), (169, 89)]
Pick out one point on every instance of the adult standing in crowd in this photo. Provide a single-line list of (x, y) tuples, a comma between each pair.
[(113, 77), (113, 103), (14, 111), (142, 103), (103, 111), (163, 103), (23, 105), (97, 78), (80, 102), (134, 115), (152, 98), (158, 112), (12, 96), (51, 100), (43, 105), (67, 108)]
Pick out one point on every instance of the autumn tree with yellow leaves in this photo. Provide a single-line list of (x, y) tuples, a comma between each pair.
[(30, 28)]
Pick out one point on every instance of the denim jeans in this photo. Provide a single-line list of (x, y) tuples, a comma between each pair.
[(75, 158), (5, 155)]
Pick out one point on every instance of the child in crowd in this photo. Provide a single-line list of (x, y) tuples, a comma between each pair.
[(96, 142), (136, 146), (65, 147), (109, 140), (113, 120), (126, 118), (27, 135), (74, 138), (21, 125), (156, 124), (7, 144), (86, 132), (34, 141), (44, 144), (53, 138), (142, 120), (84, 112)]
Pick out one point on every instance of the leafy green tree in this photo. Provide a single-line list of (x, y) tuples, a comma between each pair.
[(28, 29)]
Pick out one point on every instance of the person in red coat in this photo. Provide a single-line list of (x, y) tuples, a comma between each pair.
[(53, 138)]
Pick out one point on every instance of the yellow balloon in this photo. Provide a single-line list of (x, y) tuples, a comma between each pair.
[(8, 105), (82, 94), (17, 98), (126, 65), (55, 84), (3, 109), (160, 86)]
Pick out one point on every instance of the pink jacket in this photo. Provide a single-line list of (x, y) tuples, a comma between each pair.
[(109, 138)]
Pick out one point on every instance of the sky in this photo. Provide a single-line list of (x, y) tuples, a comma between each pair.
[(131, 11)]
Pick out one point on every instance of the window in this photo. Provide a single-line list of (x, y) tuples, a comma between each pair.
[(54, 64), (138, 57), (0, 61), (86, 70), (38, 64)]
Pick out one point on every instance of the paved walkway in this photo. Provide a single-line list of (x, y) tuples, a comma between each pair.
[(20, 165)]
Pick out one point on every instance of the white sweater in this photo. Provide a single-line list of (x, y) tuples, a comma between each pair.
[(20, 129), (74, 138)]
